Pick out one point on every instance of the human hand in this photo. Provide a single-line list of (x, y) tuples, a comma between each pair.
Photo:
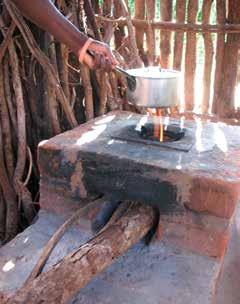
[(97, 55)]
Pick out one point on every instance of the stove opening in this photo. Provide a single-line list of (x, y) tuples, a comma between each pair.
[(158, 131), (161, 133)]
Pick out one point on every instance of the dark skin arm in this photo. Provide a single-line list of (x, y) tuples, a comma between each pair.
[(44, 14)]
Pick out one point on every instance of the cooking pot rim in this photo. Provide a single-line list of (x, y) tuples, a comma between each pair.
[(133, 72)]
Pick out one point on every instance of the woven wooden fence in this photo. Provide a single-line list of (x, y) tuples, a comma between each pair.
[(177, 30)]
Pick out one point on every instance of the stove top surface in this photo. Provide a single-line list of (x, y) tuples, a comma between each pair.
[(212, 149)]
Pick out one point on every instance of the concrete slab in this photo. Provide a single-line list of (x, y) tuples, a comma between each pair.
[(228, 291), (155, 274), (158, 273), (18, 257)]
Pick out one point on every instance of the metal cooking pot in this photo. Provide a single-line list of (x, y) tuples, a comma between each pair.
[(154, 87)]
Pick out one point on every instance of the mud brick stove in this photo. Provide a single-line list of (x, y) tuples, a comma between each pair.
[(194, 181)]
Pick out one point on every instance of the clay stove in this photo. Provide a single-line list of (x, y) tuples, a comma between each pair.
[(193, 180)]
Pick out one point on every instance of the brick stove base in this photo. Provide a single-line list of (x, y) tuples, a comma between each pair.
[(196, 191)]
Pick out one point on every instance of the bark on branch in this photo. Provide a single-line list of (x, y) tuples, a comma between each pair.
[(42, 59), (65, 278), (175, 26)]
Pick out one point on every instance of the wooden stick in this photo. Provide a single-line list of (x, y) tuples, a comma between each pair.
[(8, 36), (150, 11), (101, 75), (63, 69), (85, 75), (122, 209), (132, 40), (89, 10), (107, 6), (30, 167), (165, 36), (221, 19), (119, 33), (114, 99), (6, 128), (65, 278), (12, 219), (95, 4), (48, 90), (175, 26), (21, 122), (51, 244), (38, 122), (208, 58), (24, 196), (140, 14), (190, 58), (2, 217), (178, 44), (51, 91), (42, 59), (103, 92), (8, 93), (226, 99)]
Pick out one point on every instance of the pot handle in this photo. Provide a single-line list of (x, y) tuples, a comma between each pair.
[(131, 80)]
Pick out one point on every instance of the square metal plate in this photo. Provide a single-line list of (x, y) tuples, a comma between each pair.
[(133, 134)]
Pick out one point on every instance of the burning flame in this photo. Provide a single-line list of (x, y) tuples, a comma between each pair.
[(158, 124), (159, 113)]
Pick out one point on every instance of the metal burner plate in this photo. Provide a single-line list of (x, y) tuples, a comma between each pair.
[(132, 134)]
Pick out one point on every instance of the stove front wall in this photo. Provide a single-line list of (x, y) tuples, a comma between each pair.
[(127, 180)]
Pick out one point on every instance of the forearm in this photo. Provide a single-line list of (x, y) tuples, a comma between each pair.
[(46, 16)]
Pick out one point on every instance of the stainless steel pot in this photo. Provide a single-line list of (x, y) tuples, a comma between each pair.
[(155, 87)]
